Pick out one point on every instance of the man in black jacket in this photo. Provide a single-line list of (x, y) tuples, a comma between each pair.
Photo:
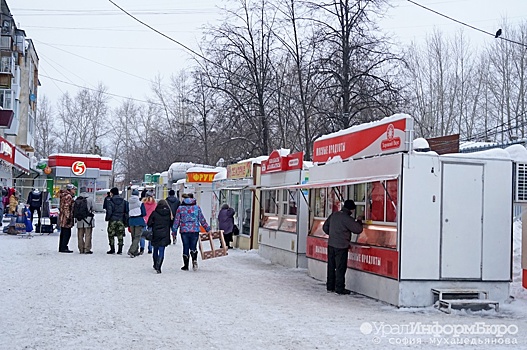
[(173, 203), (117, 211), (339, 226)]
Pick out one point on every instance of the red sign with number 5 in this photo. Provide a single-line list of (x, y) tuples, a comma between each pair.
[(78, 168)]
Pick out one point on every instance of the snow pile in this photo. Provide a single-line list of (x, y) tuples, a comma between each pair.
[(518, 153), (221, 175)]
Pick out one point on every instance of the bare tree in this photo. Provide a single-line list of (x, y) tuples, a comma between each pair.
[(45, 130), (240, 50), (82, 120), (358, 63)]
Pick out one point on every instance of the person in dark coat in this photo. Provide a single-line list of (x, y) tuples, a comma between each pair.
[(106, 200), (117, 215), (339, 226), (160, 221), (226, 223), (173, 203)]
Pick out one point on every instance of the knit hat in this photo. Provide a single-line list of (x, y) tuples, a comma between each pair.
[(114, 191), (70, 187), (149, 193), (135, 192), (83, 189), (349, 204)]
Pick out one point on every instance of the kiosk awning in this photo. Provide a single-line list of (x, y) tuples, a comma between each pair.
[(332, 183)]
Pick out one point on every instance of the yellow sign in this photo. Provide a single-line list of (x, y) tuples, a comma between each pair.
[(239, 171), (200, 177)]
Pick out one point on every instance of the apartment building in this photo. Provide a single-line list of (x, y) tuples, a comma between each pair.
[(18, 100)]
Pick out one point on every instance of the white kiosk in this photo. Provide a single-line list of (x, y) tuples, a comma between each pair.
[(283, 232), (432, 222)]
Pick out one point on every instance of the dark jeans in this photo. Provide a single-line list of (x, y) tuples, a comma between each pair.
[(337, 266), (64, 238), (190, 240), (159, 252)]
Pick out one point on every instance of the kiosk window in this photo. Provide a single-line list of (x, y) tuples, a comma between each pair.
[(270, 202), (382, 201), (291, 203), (391, 200), (320, 202), (335, 199)]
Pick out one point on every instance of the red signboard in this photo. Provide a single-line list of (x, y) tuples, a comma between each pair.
[(7, 151), (276, 162), (379, 261), (90, 162), (385, 136)]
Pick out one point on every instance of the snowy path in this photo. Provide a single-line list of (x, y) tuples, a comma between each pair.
[(72, 301)]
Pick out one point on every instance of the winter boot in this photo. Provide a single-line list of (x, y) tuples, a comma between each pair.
[(155, 264), (112, 249), (159, 263), (141, 251), (194, 254), (120, 251), (185, 263)]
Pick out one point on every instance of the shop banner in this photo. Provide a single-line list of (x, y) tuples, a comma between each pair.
[(389, 135), (7, 151), (239, 170), (200, 176), (276, 163), (90, 161), (384, 262)]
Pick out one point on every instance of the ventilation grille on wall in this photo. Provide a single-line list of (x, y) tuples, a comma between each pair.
[(520, 194)]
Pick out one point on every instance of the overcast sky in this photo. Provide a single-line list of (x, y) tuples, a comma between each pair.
[(86, 42)]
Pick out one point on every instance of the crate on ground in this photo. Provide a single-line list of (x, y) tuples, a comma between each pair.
[(206, 245)]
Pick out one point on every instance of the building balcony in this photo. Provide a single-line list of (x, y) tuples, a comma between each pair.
[(6, 118)]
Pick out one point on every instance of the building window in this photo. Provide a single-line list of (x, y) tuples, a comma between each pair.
[(6, 99)]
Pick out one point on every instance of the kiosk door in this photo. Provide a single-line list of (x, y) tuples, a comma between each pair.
[(461, 221)]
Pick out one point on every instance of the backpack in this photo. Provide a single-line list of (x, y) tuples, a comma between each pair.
[(80, 208)]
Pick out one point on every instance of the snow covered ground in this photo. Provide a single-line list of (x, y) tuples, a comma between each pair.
[(72, 301)]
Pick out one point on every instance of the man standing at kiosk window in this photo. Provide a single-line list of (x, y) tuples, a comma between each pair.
[(339, 226)]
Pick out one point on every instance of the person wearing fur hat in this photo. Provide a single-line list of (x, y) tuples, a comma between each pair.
[(117, 213), (66, 220), (136, 221), (339, 226)]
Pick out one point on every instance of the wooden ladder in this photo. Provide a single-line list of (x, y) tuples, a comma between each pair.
[(213, 252)]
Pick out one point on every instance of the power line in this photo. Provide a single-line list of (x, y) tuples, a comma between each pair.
[(107, 93), (115, 47), (465, 24), (87, 59), (163, 34)]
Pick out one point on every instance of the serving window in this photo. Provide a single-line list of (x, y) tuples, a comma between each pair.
[(376, 203), (280, 209)]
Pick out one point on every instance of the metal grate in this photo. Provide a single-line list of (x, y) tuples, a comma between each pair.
[(520, 194)]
